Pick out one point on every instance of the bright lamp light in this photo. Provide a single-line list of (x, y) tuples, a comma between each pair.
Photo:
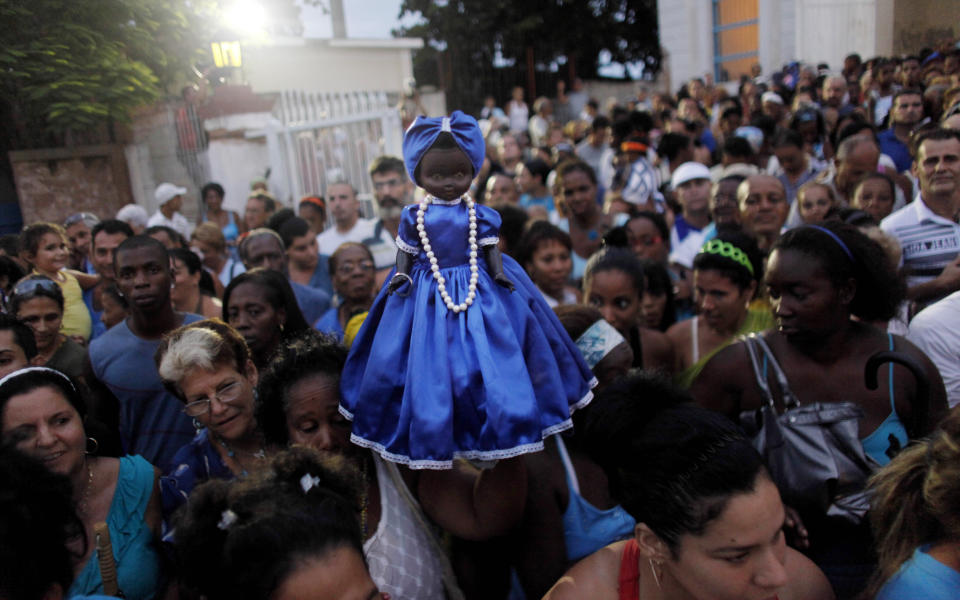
[(245, 16)]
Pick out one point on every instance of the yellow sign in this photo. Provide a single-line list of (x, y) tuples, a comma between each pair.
[(226, 54)]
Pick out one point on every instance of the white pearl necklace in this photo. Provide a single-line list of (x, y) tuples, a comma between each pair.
[(474, 271)]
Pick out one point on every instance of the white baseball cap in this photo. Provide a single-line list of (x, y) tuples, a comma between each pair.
[(167, 191), (689, 171), (771, 97), (133, 214)]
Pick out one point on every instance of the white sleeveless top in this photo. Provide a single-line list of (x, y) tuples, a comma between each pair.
[(400, 554)]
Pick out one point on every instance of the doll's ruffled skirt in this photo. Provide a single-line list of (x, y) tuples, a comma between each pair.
[(424, 385)]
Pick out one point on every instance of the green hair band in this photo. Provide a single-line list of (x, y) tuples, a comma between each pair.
[(727, 250)]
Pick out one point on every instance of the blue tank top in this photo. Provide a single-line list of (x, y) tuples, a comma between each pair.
[(891, 436), (586, 528), (230, 231)]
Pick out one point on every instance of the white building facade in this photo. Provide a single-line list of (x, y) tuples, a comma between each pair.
[(724, 38)]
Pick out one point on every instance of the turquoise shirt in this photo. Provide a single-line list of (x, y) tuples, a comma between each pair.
[(138, 564), (922, 576)]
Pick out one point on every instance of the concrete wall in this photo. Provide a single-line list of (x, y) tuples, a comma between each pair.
[(776, 39), (152, 159), (234, 160), (924, 23), (808, 30), (828, 30), (54, 183), (329, 65), (686, 35)]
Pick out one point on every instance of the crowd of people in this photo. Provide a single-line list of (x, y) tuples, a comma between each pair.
[(765, 286)]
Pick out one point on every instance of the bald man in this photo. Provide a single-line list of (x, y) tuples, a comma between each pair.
[(763, 208), (834, 92), (856, 156)]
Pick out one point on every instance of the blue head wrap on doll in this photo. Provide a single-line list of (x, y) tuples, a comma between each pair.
[(423, 132)]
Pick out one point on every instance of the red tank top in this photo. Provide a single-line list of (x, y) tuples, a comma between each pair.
[(628, 584)]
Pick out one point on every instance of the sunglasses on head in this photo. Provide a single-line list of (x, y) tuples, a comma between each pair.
[(78, 217), (28, 287)]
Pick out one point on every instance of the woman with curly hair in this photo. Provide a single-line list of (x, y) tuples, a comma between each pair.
[(299, 398)]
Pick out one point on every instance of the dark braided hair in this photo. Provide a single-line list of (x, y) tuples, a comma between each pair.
[(240, 539)]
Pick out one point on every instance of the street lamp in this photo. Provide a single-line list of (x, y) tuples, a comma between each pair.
[(226, 54)]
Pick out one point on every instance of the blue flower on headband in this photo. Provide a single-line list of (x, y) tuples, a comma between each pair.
[(423, 132)]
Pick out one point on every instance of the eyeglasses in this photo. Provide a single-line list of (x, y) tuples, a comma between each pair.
[(225, 395), (29, 287), (349, 267)]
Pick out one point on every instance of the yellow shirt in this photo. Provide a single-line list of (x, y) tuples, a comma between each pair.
[(76, 316), (757, 320)]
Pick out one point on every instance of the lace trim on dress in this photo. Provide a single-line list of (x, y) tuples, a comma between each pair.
[(407, 247), (435, 200), (481, 455)]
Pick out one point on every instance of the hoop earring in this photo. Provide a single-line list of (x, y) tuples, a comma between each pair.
[(95, 445), (653, 568)]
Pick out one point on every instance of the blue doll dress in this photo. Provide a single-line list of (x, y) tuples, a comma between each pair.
[(424, 385)]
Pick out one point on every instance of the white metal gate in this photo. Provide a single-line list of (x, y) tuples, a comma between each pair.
[(315, 140)]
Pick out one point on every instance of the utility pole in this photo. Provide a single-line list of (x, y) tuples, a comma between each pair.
[(336, 16)]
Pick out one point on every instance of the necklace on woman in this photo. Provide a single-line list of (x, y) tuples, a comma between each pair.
[(85, 496), (428, 249), (364, 499), (259, 454)]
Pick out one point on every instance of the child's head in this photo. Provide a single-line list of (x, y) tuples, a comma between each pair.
[(44, 246), (814, 200), (874, 195), (114, 306)]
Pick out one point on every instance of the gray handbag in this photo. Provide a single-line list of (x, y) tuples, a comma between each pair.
[(812, 451)]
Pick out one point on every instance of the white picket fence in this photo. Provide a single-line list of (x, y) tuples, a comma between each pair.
[(315, 140)]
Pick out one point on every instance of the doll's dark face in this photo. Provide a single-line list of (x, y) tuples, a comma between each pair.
[(445, 173)]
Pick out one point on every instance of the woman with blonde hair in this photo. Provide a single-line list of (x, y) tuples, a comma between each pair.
[(916, 518)]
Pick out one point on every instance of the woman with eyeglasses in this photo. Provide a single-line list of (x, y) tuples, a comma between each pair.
[(352, 268), (38, 301), (208, 366)]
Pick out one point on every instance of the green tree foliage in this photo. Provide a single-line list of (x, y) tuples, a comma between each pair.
[(475, 32), (70, 66)]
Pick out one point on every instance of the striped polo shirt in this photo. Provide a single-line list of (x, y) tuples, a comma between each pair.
[(929, 241)]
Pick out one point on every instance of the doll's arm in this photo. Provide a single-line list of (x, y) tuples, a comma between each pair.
[(495, 265), (404, 262)]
